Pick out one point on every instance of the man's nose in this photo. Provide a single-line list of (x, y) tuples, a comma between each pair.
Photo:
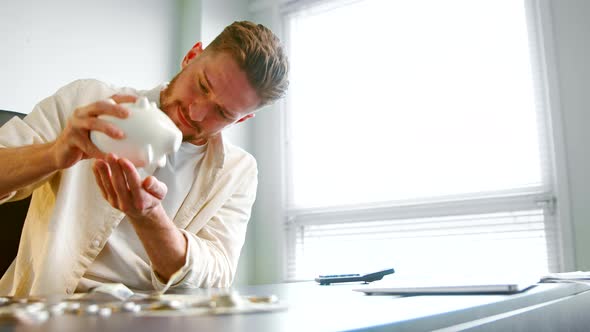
[(197, 111)]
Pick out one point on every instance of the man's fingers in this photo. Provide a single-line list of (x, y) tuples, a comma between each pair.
[(88, 149), (102, 168), (92, 123), (132, 176), (156, 188), (91, 150), (108, 108), (120, 98), (101, 107), (119, 181)]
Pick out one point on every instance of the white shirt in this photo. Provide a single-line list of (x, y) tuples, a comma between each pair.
[(69, 222), (124, 259)]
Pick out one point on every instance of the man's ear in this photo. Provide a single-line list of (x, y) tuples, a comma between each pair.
[(246, 117), (192, 53)]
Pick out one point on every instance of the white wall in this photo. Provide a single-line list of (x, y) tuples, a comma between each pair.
[(190, 13), (266, 136), (571, 31), (47, 44)]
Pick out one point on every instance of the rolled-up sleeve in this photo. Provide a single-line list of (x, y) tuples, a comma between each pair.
[(44, 124), (213, 253)]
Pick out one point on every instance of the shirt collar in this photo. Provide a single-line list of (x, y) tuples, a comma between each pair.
[(154, 94), (217, 151)]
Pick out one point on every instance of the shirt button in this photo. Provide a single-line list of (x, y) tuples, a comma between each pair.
[(95, 243)]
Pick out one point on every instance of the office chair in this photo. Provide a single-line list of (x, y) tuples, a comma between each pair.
[(12, 216)]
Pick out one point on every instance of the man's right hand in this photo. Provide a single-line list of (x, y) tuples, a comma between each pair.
[(74, 143)]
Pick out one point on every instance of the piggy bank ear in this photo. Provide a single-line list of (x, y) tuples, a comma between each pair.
[(192, 54)]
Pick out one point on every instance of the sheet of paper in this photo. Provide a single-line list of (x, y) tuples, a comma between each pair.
[(575, 276)]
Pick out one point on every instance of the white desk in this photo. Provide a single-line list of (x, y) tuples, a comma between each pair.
[(569, 314), (338, 308)]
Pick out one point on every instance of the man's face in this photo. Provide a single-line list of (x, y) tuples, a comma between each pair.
[(209, 94)]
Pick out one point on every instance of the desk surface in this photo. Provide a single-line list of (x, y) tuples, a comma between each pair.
[(328, 308)]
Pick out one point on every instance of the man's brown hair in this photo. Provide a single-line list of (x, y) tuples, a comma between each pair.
[(260, 54)]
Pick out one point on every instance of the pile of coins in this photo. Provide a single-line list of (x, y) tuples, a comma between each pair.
[(38, 310)]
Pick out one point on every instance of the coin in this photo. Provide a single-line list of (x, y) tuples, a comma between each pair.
[(263, 299), (226, 300), (91, 309), (130, 307), (105, 312)]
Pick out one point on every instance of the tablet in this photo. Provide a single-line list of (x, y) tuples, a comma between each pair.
[(410, 287)]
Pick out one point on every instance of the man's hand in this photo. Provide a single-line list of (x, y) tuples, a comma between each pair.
[(74, 142), (141, 201), (122, 187)]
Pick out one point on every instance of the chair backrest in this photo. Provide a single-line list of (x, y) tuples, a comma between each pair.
[(7, 115), (12, 216)]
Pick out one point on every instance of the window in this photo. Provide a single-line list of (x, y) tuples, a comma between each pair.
[(416, 138)]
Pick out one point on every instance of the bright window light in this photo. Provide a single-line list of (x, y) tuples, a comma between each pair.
[(395, 100), (416, 139)]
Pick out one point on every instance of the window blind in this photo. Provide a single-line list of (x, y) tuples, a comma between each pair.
[(491, 244), (428, 102)]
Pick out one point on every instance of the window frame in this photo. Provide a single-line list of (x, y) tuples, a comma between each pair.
[(546, 197)]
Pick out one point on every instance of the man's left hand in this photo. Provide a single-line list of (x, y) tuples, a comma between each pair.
[(122, 187)]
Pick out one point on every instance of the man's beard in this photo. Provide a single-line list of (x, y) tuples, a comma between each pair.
[(168, 105)]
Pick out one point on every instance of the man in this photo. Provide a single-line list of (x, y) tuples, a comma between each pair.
[(93, 220)]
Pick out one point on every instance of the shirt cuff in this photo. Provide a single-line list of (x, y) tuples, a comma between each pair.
[(177, 277)]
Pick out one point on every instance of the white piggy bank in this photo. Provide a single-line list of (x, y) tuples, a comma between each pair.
[(149, 135)]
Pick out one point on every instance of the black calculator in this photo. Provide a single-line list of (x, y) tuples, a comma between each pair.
[(366, 278)]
